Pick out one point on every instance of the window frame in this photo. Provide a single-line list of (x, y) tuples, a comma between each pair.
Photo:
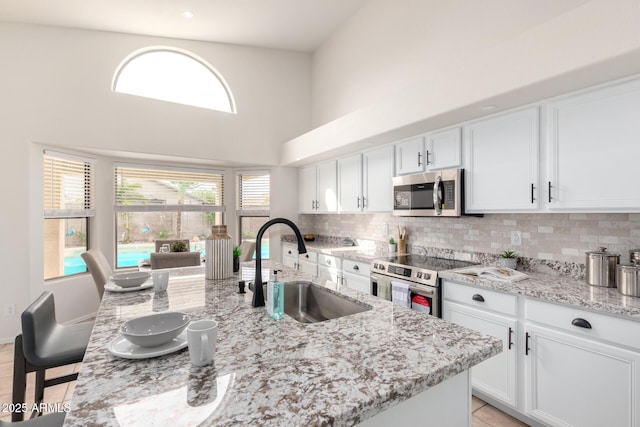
[(65, 164), (190, 55)]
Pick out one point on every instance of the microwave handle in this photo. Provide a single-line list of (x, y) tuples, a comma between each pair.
[(437, 196)]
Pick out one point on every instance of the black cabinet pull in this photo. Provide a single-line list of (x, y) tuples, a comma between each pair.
[(581, 323), (289, 252), (307, 256), (532, 188), (526, 344), (355, 267), (419, 159), (428, 161), (477, 297), (510, 335), (549, 191)]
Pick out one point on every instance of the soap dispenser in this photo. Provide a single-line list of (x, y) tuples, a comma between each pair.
[(275, 297)]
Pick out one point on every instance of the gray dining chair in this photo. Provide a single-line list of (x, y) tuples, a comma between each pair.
[(44, 344), (99, 268), (55, 419)]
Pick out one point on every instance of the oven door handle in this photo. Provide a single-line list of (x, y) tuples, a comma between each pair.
[(421, 291)]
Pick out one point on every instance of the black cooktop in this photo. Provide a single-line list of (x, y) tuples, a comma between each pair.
[(428, 263)]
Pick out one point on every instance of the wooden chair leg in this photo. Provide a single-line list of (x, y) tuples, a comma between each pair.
[(19, 381)]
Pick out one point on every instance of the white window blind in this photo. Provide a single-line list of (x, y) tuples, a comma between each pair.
[(253, 193), (68, 186), (144, 188)]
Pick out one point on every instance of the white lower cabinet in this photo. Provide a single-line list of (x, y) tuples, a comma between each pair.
[(355, 275), (560, 366), (490, 313), (496, 376), (580, 382)]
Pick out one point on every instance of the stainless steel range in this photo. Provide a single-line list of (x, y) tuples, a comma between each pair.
[(417, 274)]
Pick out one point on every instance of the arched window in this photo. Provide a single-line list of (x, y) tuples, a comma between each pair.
[(173, 76)]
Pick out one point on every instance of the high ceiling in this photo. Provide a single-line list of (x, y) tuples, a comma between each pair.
[(300, 25)]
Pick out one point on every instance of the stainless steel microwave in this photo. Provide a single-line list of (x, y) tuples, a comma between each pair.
[(438, 193)]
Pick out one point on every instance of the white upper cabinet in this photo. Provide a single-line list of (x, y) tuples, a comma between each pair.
[(307, 189), (318, 188), (594, 147), (410, 156), (350, 197), (502, 162), (378, 179), (365, 181), (444, 149)]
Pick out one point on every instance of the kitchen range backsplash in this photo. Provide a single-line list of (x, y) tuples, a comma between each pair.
[(554, 243)]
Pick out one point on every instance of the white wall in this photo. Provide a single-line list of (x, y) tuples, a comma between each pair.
[(402, 67), (55, 90)]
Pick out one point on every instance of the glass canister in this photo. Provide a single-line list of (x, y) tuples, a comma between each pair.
[(218, 254)]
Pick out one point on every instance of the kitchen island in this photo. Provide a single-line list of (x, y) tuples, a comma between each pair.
[(344, 371)]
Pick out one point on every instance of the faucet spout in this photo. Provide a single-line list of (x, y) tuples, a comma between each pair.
[(258, 294)]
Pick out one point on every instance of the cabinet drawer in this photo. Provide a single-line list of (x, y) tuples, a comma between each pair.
[(356, 267), (604, 327), (310, 256), (481, 298), (290, 250), (329, 261)]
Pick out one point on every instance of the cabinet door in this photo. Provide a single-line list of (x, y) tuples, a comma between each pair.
[(350, 184), (410, 156), (308, 267), (502, 163), (307, 191), (329, 273), (594, 150), (497, 376), (327, 187), (378, 180), (357, 282), (580, 382), (444, 149)]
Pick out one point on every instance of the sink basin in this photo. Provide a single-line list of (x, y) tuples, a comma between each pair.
[(309, 303)]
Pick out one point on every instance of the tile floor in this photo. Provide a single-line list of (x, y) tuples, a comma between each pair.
[(484, 415)]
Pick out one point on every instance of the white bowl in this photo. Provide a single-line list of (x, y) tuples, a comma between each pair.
[(130, 279), (154, 330)]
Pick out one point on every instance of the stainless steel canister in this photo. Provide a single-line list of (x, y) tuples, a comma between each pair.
[(601, 268), (634, 256), (628, 279)]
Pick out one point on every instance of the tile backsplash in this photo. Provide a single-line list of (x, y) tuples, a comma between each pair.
[(562, 237)]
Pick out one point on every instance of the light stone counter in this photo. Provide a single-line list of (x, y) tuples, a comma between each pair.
[(559, 289), (267, 372)]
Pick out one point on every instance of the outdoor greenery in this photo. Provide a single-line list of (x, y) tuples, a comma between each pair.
[(179, 246)]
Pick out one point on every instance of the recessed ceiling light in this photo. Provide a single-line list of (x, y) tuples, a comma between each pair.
[(187, 14)]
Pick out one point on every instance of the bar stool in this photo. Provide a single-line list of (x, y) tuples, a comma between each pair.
[(44, 344), (55, 419), (99, 268)]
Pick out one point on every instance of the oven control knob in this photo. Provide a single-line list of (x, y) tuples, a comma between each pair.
[(419, 275), (382, 267)]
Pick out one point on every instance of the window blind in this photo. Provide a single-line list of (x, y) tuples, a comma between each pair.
[(140, 188), (68, 186), (253, 193)]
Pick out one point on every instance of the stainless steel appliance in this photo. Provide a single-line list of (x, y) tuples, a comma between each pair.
[(438, 193), (419, 272), (601, 267)]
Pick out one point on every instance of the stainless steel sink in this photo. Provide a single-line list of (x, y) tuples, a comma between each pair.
[(309, 303)]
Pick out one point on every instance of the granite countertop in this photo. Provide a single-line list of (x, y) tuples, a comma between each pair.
[(356, 253), (560, 289), (268, 372)]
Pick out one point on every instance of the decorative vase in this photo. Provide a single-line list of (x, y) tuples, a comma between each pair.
[(236, 264), (218, 254)]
